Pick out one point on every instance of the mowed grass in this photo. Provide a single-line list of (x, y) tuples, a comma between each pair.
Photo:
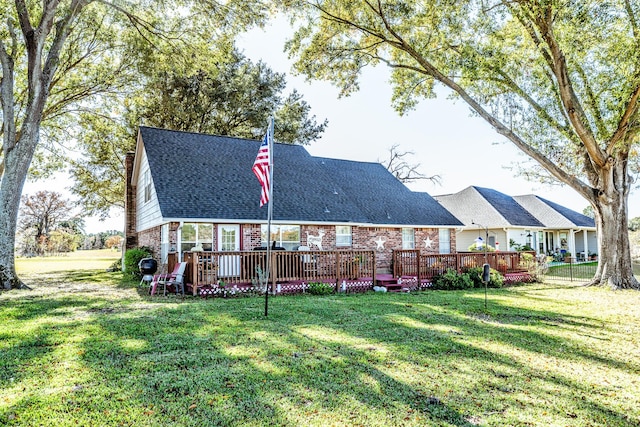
[(99, 259), (85, 348)]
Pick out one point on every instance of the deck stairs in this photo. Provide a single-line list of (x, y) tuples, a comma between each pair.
[(390, 283)]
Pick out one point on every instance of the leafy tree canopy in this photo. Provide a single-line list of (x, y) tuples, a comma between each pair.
[(58, 57), (219, 92)]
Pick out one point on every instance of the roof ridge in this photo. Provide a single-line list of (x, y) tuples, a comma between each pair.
[(201, 134)]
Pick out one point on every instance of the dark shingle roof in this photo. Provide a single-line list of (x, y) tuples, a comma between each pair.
[(511, 210), (489, 207), (552, 214), (200, 176)]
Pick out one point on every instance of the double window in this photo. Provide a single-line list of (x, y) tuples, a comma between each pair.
[(286, 236), (196, 235)]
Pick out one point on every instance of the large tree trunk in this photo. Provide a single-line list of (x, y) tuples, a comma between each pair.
[(610, 206), (17, 163)]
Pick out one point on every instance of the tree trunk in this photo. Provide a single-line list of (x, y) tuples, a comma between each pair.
[(17, 163), (614, 254)]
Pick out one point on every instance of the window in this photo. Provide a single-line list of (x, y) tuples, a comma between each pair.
[(286, 236), (194, 234), (408, 238), (147, 185), (343, 235), (445, 241)]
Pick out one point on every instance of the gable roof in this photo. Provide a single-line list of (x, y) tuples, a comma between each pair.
[(198, 176), (552, 214), (487, 207)]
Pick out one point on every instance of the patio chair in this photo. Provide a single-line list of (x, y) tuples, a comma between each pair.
[(175, 279), (308, 261)]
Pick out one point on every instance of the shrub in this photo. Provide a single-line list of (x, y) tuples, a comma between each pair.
[(317, 288), (131, 259), (451, 280), (116, 266), (496, 280)]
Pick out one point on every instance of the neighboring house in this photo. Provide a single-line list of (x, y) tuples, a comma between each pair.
[(188, 190), (564, 229), (522, 220)]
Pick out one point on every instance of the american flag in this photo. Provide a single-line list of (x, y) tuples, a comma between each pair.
[(261, 168)]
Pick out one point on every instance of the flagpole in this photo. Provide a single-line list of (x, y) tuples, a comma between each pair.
[(269, 215)]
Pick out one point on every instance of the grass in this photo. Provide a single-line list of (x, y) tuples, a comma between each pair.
[(84, 348), (99, 259)]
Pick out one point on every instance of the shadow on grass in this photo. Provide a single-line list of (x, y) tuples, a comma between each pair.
[(433, 358)]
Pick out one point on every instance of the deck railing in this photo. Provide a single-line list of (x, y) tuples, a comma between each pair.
[(249, 267), (426, 266)]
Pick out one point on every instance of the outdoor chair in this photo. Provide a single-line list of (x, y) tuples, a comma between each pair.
[(308, 261), (175, 279)]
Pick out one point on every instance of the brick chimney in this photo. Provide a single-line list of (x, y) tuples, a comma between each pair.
[(131, 237)]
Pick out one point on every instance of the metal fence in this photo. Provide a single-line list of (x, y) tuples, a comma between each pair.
[(570, 270)]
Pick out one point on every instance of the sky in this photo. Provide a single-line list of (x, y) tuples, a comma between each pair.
[(446, 139)]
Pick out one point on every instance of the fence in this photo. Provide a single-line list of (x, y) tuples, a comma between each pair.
[(570, 270), (425, 266), (245, 268)]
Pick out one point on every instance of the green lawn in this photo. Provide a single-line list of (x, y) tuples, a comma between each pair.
[(80, 260), (83, 348)]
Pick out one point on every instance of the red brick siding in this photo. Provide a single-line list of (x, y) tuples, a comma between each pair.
[(131, 237), (251, 237), (363, 238), (151, 238)]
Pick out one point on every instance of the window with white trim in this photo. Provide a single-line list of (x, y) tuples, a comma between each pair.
[(445, 241), (146, 182), (196, 235), (408, 238), (343, 235)]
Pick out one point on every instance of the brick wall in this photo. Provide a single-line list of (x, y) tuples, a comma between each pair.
[(381, 239), (130, 235), (151, 238), (251, 237)]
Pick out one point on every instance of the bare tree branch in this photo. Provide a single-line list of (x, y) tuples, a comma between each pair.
[(401, 169)]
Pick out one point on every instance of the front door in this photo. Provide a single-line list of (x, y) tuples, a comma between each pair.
[(229, 241)]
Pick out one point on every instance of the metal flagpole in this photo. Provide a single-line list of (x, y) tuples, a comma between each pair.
[(269, 216)]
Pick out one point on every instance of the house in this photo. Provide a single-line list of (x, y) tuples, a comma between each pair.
[(189, 191), (508, 223), (564, 229)]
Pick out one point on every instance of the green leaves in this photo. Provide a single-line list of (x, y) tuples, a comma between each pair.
[(502, 58)]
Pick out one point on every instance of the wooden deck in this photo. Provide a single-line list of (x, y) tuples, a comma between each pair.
[(423, 267), (220, 274), (237, 272)]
